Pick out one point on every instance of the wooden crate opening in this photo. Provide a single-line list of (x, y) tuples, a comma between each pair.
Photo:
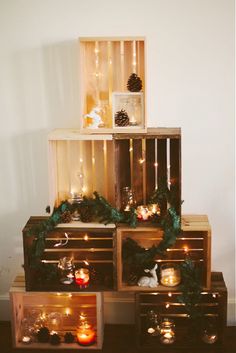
[(194, 241), (90, 248), (146, 162), (79, 165), (212, 306), (58, 311), (105, 67)]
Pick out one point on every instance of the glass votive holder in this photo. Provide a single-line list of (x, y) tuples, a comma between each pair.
[(85, 333), (82, 277), (153, 322), (143, 213), (128, 199), (167, 331), (170, 275), (209, 333), (66, 270)]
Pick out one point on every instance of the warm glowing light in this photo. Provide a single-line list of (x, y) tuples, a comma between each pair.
[(185, 249), (169, 294), (134, 63), (131, 149), (167, 305), (86, 262), (86, 237), (214, 295), (84, 188), (96, 51), (81, 160), (155, 164), (67, 311), (151, 330), (141, 160)]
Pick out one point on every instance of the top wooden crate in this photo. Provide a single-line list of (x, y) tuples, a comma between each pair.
[(105, 67)]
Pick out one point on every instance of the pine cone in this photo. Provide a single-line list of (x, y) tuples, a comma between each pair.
[(55, 339), (121, 118), (66, 217), (134, 83), (43, 335), (86, 214)]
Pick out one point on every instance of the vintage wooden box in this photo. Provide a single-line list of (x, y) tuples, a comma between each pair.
[(213, 306), (144, 161), (58, 311), (194, 241), (105, 67), (91, 246), (107, 163)]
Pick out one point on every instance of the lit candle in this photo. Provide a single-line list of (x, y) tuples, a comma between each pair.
[(82, 277), (86, 334), (26, 339), (170, 275), (143, 213), (167, 332)]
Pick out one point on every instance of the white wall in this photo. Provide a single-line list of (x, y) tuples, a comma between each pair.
[(190, 83)]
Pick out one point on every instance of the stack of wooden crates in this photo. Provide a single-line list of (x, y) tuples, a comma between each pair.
[(106, 159)]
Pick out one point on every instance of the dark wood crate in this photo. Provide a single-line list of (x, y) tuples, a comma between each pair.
[(97, 251), (143, 161), (195, 237), (213, 304)]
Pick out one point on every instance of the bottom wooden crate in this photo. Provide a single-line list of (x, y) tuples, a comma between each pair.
[(60, 313), (212, 306)]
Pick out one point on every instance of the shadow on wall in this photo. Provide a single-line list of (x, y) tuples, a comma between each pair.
[(42, 91)]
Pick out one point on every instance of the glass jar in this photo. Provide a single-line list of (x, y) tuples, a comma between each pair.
[(209, 333), (153, 323), (85, 333), (66, 270), (167, 331), (128, 199), (170, 275), (82, 277)]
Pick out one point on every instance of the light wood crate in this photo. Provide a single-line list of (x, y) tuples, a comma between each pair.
[(69, 305), (105, 66), (96, 249), (144, 161), (111, 162), (195, 236), (213, 304)]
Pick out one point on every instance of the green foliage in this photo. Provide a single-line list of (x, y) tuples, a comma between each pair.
[(191, 289)]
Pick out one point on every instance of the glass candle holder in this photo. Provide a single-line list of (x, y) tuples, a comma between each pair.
[(143, 213), (209, 333), (170, 275), (26, 331), (153, 323), (74, 198), (66, 269), (167, 331), (85, 333), (82, 277), (128, 199), (154, 209)]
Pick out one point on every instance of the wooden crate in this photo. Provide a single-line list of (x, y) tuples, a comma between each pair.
[(69, 306), (213, 304), (195, 236), (80, 164), (105, 67), (87, 243), (144, 161), (107, 163)]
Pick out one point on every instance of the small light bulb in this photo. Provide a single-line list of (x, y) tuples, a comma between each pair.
[(86, 262), (155, 164), (131, 149), (141, 160), (167, 305), (81, 160), (86, 237), (169, 294)]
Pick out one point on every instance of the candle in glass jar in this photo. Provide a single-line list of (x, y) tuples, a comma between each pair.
[(82, 277), (143, 213), (167, 331), (170, 275), (85, 334)]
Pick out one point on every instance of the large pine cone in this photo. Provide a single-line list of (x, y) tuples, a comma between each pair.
[(86, 214), (134, 83), (65, 217), (121, 118)]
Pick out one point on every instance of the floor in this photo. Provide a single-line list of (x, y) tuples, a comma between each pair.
[(119, 339)]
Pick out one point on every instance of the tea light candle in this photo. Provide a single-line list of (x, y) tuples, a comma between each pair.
[(82, 277), (26, 339), (170, 275), (154, 209)]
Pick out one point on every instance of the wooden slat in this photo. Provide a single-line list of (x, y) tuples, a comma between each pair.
[(150, 168), (122, 163), (175, 172), (138, 170)]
